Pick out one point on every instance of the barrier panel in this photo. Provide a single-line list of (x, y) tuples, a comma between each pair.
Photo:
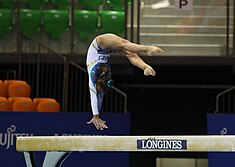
[(14, 124), (221, 124)]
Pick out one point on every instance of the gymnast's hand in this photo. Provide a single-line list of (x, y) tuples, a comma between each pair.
[(149, 71), (99, 123)]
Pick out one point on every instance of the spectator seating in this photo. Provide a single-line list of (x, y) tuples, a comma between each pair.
[(30, 21), (117, 5), (14, 99), (112, 21), (55, 22), (6, 21), (3, 89), (61, 4), (90, 5), (38, 100), (21, 104), (19, 90), (17, 98), (4, 104), (37, 104), (85, 23), (48, 106), (7, 4), (9, 82), (34, 4)]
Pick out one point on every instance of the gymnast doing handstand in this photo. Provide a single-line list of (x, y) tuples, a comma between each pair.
[(99, 70)]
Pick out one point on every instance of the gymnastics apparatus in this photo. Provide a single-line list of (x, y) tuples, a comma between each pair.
[(58, 148)]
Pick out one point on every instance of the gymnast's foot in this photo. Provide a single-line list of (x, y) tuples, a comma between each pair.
[(153, 50)]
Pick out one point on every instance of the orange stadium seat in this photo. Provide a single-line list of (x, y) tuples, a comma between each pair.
[(48, 106), (4, 104), (22, 105), (14, 99), (8, 82), (3, 89), (38, 100), (19, 90)]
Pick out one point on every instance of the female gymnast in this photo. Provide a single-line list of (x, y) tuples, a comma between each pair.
[(99, 70)]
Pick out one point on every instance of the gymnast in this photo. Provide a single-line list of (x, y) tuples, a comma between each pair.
[(99, 70)]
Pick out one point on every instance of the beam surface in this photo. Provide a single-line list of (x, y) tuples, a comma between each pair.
[(211, 143)]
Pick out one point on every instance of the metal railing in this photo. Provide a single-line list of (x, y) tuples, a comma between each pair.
[(225, 101), (44, 70), (50, 74), (228, 24), (8, 74), (77, 92)]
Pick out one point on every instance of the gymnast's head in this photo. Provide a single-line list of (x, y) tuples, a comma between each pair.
[(102, 77)]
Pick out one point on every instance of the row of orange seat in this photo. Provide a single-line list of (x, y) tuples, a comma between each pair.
[(29, 105), (14, 88), (15, 95)]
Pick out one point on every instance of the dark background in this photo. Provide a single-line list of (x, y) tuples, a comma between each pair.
[(174, 102)]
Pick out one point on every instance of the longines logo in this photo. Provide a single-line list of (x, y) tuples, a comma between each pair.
[(161, 144)]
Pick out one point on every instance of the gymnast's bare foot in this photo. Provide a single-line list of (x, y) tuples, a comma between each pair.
[(153, 50)]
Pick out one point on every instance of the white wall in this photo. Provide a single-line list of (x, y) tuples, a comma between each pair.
[(181, 162)]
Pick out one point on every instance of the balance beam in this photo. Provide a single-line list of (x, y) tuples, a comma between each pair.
[(59, 147), (127, 143)]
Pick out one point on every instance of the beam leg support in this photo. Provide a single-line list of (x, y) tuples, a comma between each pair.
[(52, 159), (29, 159), (55, 159)]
